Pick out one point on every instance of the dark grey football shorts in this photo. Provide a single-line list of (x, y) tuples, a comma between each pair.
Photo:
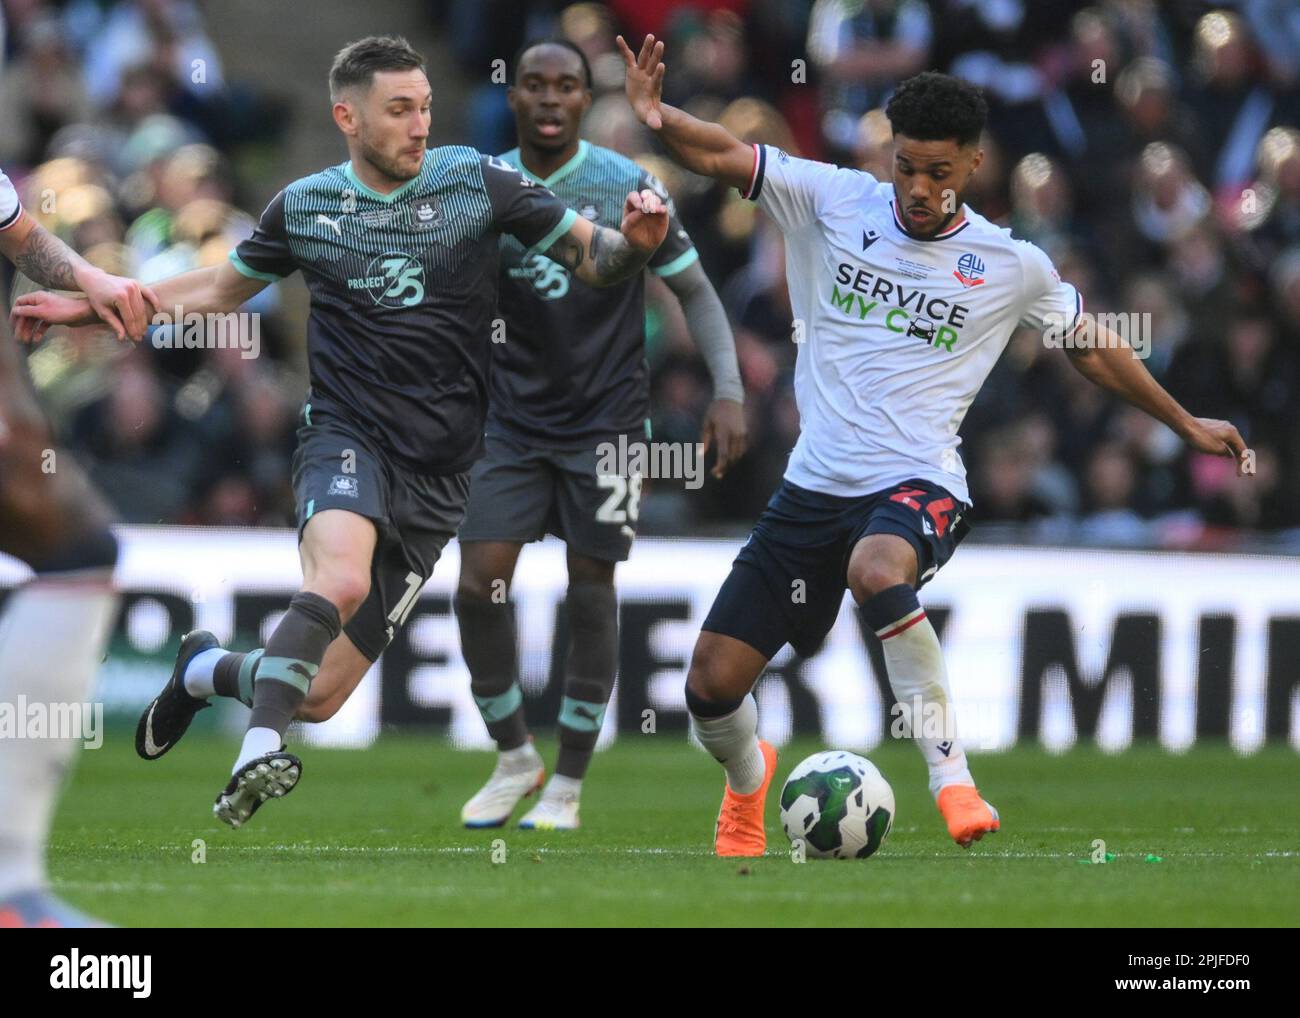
[(520, 492), (336, 467)]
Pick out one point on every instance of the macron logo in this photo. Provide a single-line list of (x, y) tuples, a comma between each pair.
[(102, 972)]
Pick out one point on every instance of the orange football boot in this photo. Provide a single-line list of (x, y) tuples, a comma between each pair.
[(740, 830), (969, 817)]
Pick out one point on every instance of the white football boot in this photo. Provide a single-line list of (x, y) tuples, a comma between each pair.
[(555, 811), (518, 774)]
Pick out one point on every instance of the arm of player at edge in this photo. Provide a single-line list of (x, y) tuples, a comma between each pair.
[(701, 146), (1110, 363), (120, 303), (218, 288)]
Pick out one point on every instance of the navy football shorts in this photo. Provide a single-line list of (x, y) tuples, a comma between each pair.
[(521, 491), (788, 581), (335, 466)]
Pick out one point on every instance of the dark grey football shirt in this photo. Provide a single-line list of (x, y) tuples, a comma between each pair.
[(573, 366), (403, 293)]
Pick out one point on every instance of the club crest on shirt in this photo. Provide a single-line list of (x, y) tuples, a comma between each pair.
[(426, 213), (344, 485), (970, 270), (589, 210)]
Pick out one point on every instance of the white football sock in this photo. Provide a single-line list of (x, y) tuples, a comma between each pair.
[(52, 636), (559, 787), (521, 758), (732, 740), (917, 674), (258, 742), (199, 673)]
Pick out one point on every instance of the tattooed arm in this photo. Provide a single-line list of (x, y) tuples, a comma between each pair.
[(601, 256), (42, 257)]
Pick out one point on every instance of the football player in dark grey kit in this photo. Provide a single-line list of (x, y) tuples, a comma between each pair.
[(398, 247), (569, 381)]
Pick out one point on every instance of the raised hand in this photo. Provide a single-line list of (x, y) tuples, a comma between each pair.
[(645, 78)]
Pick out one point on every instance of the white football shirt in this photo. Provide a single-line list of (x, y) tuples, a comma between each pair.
[(10, 207), (895, 335)]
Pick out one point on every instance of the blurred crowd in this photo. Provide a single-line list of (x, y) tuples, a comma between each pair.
[(122, 136), (1152, 149)]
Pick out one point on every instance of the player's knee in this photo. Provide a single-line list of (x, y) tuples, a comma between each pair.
[(869, 578), (344, 587), (476, 586), (708, 677)]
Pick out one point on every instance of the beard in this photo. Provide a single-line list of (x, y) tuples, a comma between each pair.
[(389, 167), (945, 218)]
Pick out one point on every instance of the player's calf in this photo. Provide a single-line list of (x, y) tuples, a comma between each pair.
[(726, 725)]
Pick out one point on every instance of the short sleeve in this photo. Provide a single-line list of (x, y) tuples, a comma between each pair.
[(677, 252), (522, 207), (1050, 303), (266, 255), (10, 207), (793, 191)]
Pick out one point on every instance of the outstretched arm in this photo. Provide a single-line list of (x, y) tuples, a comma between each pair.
[(1110, 364), (41, 256), (724, 422), (600, 256), (217, 288), (701, 146)]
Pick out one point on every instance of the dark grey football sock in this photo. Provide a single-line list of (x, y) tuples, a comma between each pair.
[(291, 660), (490, 646), (233, 675), (588, 674)]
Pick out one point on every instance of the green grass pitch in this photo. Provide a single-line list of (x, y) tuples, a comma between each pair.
[(371, 838)]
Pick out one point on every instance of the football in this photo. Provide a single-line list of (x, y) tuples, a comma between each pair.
[(838, 804)]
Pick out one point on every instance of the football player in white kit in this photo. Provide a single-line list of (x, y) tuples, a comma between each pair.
[(903, 300), (54, 626)]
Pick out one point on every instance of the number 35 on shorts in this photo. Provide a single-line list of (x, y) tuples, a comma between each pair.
[(623, 501)]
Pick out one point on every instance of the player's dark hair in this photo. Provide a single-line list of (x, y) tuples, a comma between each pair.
[(550, 41), (357, 62), (936, 107)]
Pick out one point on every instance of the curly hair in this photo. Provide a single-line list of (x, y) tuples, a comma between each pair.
[(935, 107)]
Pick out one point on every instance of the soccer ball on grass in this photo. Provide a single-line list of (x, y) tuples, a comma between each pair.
[(838, 804)]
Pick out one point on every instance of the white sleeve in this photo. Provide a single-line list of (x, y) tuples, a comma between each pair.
[(1050, 303), (794, 191), (10, 207)]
